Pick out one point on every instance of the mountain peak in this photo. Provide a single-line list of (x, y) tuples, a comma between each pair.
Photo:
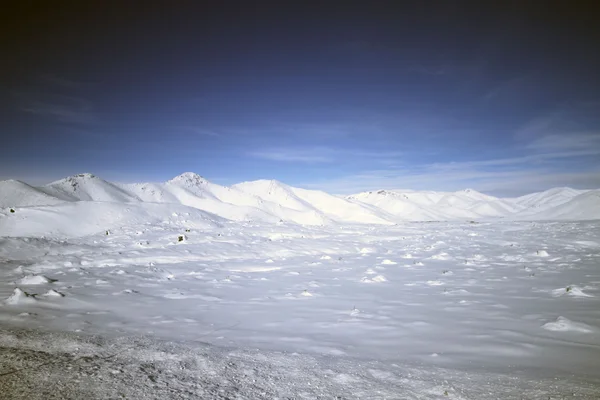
[(73, 179), (85, 175), (189, 178)]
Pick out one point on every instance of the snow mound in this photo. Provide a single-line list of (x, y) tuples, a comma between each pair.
[(574, 291), (19, 297), (376, 279), (35, 280), (53, 293), (563, 324)]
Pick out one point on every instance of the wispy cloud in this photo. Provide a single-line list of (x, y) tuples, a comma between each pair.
[(508, 88), (59, 108), (198, 131), (581, 141), (314, 155), (571, 119), (62, 82), (308, 156), (501, 176), (503, 182)]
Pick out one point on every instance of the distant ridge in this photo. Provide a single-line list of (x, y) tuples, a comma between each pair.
[(273, 201)]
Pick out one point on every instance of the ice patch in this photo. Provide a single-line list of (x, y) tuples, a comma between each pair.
[(435, 283), (542, 253)]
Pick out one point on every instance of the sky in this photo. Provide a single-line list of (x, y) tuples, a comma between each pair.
[(338, 96)]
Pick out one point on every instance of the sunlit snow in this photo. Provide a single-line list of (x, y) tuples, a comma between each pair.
[(447, 280)]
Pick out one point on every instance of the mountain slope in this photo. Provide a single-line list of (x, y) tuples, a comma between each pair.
[(314, 203), (194, 191), (97, 217), (537, 202), (19, 194), (87, 187), (584, 206)]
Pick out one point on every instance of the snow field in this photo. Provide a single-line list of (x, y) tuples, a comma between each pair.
[(460, 300)]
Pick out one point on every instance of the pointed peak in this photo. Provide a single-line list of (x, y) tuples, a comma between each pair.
[(85, 175), (189, 178)]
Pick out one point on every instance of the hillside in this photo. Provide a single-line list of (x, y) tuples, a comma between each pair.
[(583, 206), (19, 194), (87, 187)]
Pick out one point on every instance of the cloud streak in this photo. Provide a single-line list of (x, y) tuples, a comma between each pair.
[(59, 108), (197, 131), (501, 176), (315, 155), (308, 156)]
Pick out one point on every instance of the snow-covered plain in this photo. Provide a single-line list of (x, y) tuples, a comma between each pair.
[(390, 294)]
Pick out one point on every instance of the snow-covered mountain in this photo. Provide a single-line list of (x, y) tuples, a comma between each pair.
[(87, 187), (429, 205), (583, 205), (98, 204)]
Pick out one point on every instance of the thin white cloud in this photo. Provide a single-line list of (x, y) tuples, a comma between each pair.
[(497, 176), (62, 82), (567, 141), (60, 108), (324, 155), (571, 120), (495, 182), (308, 156), (199, 131)]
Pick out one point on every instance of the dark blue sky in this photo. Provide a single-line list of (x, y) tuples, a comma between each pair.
[(342, 96)]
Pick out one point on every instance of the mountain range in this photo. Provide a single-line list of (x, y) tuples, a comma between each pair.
[(272, 201)]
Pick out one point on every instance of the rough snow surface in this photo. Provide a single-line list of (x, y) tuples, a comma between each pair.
[(563, 324), (486, 300), (41, 366)]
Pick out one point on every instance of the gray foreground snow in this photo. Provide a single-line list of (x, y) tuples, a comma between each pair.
[(46, 365)]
